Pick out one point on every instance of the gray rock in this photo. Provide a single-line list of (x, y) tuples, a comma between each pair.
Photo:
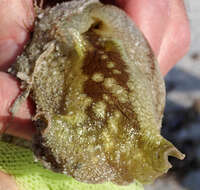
[(192, 180), (190, 132)]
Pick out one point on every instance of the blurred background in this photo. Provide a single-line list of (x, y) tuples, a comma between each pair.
[(181, 124)]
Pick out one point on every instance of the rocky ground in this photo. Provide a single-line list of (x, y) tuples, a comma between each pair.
[(181, 123), (166, 183)]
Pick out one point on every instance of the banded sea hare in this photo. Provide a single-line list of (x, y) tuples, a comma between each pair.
[(99, 95)]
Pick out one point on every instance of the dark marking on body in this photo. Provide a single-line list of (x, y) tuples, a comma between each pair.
[(94, 63), (43, 152)]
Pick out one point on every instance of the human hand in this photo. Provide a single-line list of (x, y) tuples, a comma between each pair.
[(164, 23)]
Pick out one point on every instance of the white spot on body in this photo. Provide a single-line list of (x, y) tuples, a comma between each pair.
[(115, 71), (105, 97), (113, 122), (100, 109), (110, 64), (137, 43), (40, 16), (98, 77), (116, 89), (109, 82)]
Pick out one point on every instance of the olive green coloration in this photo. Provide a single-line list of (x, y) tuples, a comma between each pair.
[(99, 95)]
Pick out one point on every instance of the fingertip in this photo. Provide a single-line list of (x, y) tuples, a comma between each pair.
[(17, 19), (172, 52), (20, 124), (176, 41)]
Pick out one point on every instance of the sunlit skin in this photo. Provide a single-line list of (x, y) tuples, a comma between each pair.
[(165, 26)]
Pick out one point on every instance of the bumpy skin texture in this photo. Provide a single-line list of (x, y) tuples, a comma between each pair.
[(98, 93)]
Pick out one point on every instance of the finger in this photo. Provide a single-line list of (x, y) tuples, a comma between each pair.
[(16, 21), (161, 25), (21, 125), (7, 182), (176, 41), (151, 17)]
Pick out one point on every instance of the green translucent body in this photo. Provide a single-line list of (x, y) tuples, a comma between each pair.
[(99, 95)]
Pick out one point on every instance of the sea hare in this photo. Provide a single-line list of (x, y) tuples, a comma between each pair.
[(99, 95)]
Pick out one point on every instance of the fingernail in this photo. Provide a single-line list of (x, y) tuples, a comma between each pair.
[(8, 51)]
